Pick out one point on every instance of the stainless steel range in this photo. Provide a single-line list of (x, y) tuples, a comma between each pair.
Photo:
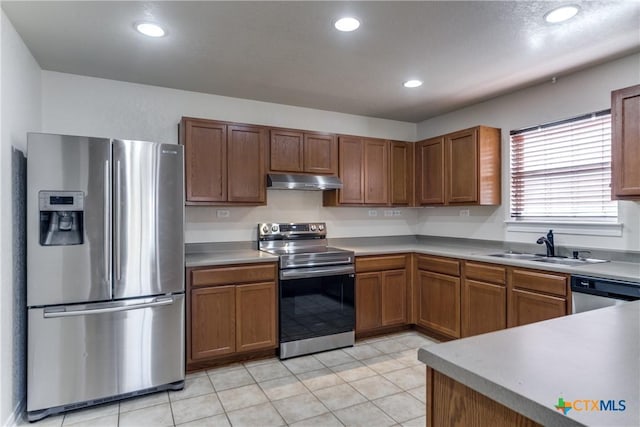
[(316, 289)]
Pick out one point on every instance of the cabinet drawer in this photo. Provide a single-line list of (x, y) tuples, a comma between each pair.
[(234, 274), (380, 263), (485, 273), (539, 281), (439, 265)]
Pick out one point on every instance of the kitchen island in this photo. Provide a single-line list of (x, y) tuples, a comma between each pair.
[(590, 361)]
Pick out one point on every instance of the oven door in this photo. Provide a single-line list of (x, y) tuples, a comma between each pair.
[(316, 302)]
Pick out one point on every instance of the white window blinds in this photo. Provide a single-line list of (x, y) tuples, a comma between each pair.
[(563, 170)]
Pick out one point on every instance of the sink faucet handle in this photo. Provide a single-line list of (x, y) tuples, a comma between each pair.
[(576, 254)]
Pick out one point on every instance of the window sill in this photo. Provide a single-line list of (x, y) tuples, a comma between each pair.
[(585, 228)]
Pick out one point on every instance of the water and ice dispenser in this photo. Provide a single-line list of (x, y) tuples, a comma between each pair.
[(61, 218)]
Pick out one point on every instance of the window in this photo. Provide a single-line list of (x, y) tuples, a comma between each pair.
[(562, 170)]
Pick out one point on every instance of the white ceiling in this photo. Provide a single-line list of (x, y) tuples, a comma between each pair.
[(289, 53)]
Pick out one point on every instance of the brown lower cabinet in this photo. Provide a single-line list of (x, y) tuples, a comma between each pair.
[(484, 298), (381, 292), (213, 315), (536, 295), (456, 298), (438, 294), (230, 310)]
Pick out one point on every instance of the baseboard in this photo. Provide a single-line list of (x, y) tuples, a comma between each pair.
[(17, 413)]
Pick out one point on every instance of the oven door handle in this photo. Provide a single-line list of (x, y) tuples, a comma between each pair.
[(300, 264), (303, 273)]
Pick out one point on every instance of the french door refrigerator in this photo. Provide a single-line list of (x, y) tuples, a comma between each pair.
[(105, 270)]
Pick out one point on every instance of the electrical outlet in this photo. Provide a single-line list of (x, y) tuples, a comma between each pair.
[(373, 212), (397, 212), (388, 213), (464, 212), (222, 213)]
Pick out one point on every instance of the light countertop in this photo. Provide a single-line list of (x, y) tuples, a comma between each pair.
[(239, 256), (593, 355), (612, 270)]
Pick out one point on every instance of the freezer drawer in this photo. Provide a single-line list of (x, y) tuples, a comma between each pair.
[(97, 351)]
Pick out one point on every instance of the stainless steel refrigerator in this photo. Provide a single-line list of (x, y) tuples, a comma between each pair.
[(105, 270)]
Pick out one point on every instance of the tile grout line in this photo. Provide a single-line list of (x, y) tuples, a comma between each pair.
[(307, 388), (325, 366)]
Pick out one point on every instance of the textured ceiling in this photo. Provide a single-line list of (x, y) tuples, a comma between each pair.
[(288, 52)]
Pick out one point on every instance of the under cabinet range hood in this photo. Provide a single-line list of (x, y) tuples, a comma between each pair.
[(303, 182)]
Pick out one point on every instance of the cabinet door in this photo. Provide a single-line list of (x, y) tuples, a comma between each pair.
[(213, 313), (528, 307), (246, 170), (394, 298), (205, 156), (461, 159), (256, 316), (439, 302), (401, 174), (320, 154), (484, 307), (625, 143), (351, 170), (368, 301), (376, 172), (430, 172), (285, 151)]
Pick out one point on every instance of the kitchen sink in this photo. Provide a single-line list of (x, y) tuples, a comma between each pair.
[(548, 260), (513, 255), (569, 261)]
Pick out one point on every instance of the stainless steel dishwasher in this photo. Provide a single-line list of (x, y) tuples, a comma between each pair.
[(591, 293)]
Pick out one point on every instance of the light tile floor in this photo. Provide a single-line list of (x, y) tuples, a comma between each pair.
[(378, 382)]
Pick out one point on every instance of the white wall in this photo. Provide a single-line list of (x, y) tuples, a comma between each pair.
[(98, 107), (81, 105), (203, 225), (582, 92), (20, 112)]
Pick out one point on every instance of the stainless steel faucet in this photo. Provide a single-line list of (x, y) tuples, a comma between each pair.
[(548, 240)]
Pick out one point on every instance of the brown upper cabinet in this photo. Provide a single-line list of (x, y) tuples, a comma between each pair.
[(376, 176), (460, 168), (401, 174), (303, 152), (625, 143), (430, 172), (374, 172), (224, 162)]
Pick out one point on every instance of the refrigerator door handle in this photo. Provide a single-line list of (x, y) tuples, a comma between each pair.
[(118, 221), (158, 302), (107, 223)]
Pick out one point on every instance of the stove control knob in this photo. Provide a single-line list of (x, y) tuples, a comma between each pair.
[(321, 227), (313, 227), (274, 228), (265, 229)]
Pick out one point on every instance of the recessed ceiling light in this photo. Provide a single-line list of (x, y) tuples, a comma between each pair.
[(347, 24), (150, 29), (412, 83), (561, 14)]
